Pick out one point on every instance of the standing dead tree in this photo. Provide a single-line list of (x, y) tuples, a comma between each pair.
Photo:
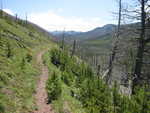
[(98, 69), (1, 10), (26, 21), (115, 46), (63, 40), (142, 41), (74, 48), (16, 17), (1, 15)]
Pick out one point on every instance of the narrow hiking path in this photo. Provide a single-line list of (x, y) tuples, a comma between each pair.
[(41, 94)]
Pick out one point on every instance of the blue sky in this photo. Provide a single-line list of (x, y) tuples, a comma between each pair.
[(78, 15)]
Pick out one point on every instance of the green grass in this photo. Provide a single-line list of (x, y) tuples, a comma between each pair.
[(18, 75)]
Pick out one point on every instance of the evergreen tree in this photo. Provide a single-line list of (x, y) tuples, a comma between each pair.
[(53, 87)]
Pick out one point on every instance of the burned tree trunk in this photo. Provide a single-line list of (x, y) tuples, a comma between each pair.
[(63, 40), (26, 21), (140, 50), (16, 17), (74, 48), (1, 10), (113, 54), (98, 69)]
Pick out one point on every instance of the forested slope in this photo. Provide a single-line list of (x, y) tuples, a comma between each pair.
[(73, 87)]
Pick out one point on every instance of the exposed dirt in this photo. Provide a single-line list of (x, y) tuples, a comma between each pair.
[(41, 94)]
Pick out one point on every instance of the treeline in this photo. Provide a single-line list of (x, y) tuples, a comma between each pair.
[(93, 93)]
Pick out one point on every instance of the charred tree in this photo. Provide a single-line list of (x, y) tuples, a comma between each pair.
[(140, 50), (16, 17), (63, 40), (73, 49), (1, 10), (26, 21), (98, 69), (115, 46)]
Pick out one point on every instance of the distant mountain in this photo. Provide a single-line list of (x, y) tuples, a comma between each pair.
[(97, 32), (66, 32)]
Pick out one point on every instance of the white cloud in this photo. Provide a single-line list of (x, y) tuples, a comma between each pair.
[(60, 10), (9, 11), (51, 21)]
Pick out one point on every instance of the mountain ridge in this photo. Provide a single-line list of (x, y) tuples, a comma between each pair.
[(97, 32)]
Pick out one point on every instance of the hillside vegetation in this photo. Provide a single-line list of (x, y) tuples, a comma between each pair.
[(73, 87), (105, 70), (20, 41)]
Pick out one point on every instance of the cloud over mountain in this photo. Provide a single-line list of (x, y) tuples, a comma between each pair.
[(51, 21)]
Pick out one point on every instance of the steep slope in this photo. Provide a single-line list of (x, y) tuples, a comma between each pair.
[(20, 41), (74, 88)]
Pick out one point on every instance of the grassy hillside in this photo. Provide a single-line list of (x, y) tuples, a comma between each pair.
[(19, 44)]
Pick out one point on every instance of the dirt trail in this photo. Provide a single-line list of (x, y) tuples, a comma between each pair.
[(41, 94)]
